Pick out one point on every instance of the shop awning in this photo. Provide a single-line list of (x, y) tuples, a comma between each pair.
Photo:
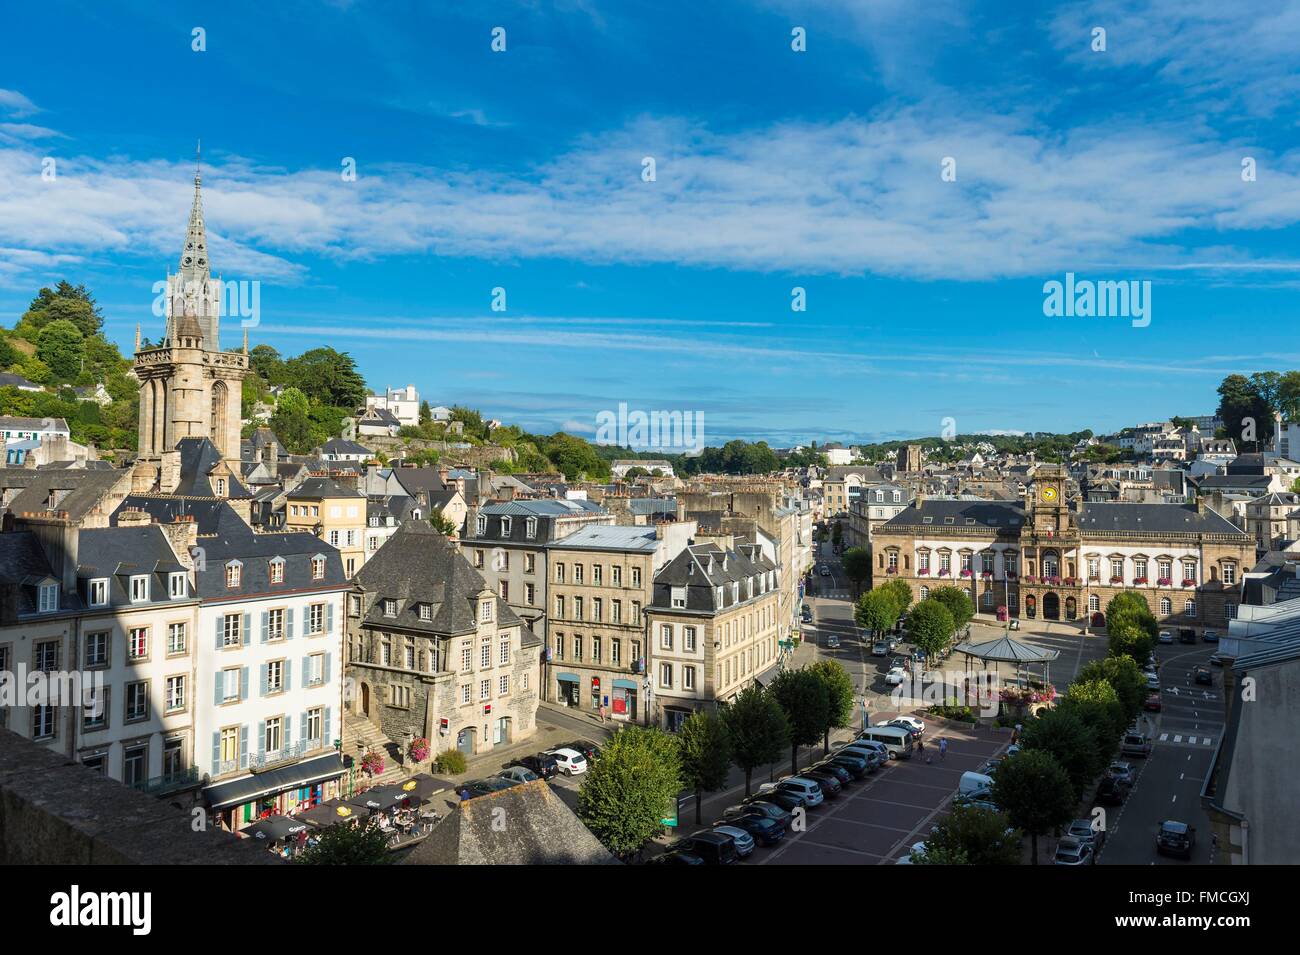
[(379, 799), (421, 786), (625, 684), (274, 828), (767, 676), (272, 783), (568, 677), (331, 812)]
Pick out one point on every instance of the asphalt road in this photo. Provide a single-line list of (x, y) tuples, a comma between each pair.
[(1184, 734)]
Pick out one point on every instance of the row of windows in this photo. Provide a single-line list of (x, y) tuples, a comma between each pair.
[(506, 526), (597, 608), (230, 744), (596, 649), (274, 571), (485, 688), (501, 561), (313, 510), (1052, 567), (597, 577), (98, 645)]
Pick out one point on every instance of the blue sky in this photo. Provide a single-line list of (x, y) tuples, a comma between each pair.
[(775, 169)]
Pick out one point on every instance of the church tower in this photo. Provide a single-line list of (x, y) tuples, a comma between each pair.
[(189, 387)]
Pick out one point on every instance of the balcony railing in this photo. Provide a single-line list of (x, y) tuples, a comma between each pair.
[(261, 762), (169, 782)]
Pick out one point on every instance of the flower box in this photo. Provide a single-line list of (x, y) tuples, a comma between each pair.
[(988, 574), (943, 573), (1189, 582), (1140, 581), (1117, 580), (923, 571), (1054, 581), (1164, 581), (965, 573)]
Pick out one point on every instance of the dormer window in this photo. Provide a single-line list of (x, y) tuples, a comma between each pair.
[(221, 487), (48, 598), (390, 607), (275, 570), (679, 597), (485, 611), (481, 525), (318, 568), (530, 527), (177, 585), (99, 592), (234, 574), (140, 589), (426, 611), (505, 526)]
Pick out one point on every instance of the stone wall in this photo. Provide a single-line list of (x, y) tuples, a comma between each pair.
[(57, 812)]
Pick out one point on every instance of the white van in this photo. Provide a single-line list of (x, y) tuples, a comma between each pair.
[(974, 786), (894, 738)]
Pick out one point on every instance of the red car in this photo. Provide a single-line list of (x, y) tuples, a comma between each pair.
[(1152, 704)]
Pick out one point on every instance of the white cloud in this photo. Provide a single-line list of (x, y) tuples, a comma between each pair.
[(16, 104), (862, 195)]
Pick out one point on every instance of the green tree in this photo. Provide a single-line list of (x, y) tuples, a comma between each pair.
[(8, 354), (757, 728), (958, 603), (806, 702), (840, 697), (1122, 673), (626, 793), (975, 836), (1062, 732), (575, 457), (930, 626), (426, 413), (837, 534), (1246, 413), (1035, 793), (61, 346), (267, 364), (348, 845), (876, 610), (1288, 395), (902, 595), (856, 562), (706, 754), (443, 524), (66, 303), (1100, 707), (328, 376)]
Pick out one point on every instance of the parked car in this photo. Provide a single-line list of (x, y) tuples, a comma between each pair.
[(760, 807), (880, 649), (519, 774), (1217, 660), (1203, 675), (544, 765), (896, 676), (744, 841), (1153, 682), (1152, 703), (1082, 829), (1210, 636), (715, 848), (1175, 838), (907, 722), (1112, 791), (875, 753), (761, 829), (841, 771), (676, 857), (810, 789), (832, 642), (485, 787), (1135, 744), (1122, 771), (571, 762), (857, 766), (1166, 636), (781, 798), (586, 747), (830, 782), (1186, 635), (916, 852), (1072, 851)]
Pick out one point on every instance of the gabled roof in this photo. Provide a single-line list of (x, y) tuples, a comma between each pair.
[(340, 446), (238, 542), (212, 515), (319, 488), (419, 566), (199, 457), (700, 569), (119, 553)]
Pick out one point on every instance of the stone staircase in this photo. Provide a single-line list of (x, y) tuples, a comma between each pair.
[(359, 729)]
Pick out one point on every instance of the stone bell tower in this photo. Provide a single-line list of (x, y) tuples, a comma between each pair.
[(189, 387)]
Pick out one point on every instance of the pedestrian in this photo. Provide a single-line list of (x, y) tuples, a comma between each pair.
[(602, 712), (943, 749)]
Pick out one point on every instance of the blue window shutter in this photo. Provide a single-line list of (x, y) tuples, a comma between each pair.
[(243, 747), (248, 628), (306, 620), (329, 617), (264, 677), (261, 738), (288, 624), (216, 753), (302, 717), (266, 625), (325, 670), (245, 691), (305, 670), (326, 739), (221, 621), (287, 671), (220, 681), (288, 731)]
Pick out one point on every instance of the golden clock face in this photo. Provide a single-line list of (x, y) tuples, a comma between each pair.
[(1049, 493)]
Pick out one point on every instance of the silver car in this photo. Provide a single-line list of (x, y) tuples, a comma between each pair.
[(519, 774), (1072, 851), (744, 841)]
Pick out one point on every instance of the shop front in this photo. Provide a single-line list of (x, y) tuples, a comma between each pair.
[(623, 700), (242, 802), (568, 687)]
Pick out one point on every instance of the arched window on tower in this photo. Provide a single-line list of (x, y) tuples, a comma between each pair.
[(217, 428)]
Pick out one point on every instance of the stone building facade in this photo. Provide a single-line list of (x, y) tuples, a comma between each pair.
[(1058, 559)]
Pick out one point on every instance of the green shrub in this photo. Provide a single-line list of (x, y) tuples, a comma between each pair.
[(451, 762)]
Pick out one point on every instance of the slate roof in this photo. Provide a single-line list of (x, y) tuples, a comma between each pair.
[(340, 446), (1092, 516), (11, 423), (22, 559), (119, 553), (550, 507), (7, 379), (86, 488), (417, 565), (210, 515), (199, 457), (1005, 514), (319, 488), (606, 537), (646, 506), (699, 568), (542, 831), (255, 551)]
